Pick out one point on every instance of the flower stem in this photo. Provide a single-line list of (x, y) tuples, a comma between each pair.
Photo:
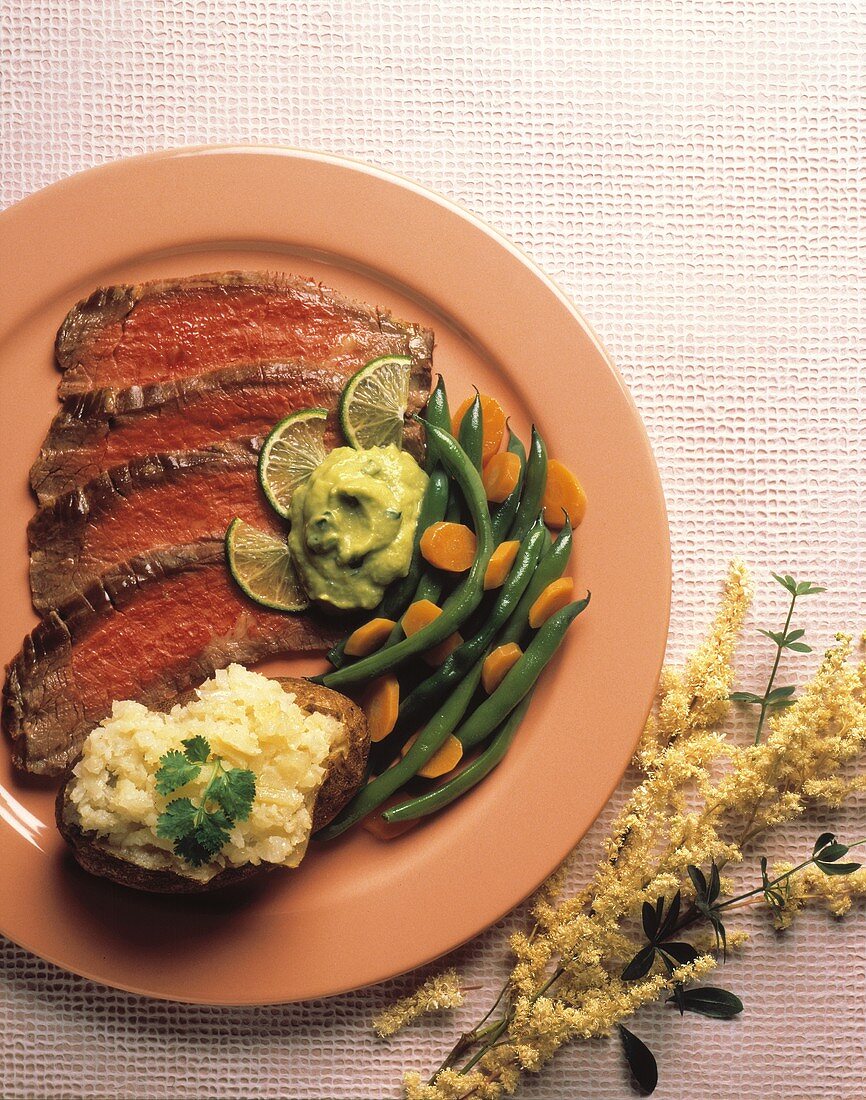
[(779, 648)]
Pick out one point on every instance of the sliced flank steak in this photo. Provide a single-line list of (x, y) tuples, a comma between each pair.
[(124, 336), (147, 630), (96, 431), (154, 502)]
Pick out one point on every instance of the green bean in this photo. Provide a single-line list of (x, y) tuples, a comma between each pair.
[(465, 598), (425, 745), (440, 797), (471, 433), (520, 677), (534, 482), (431, 690), (502, 517), (551, 565), (438, 414)]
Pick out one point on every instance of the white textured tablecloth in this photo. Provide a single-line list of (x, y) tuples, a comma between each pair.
[(692, 171)]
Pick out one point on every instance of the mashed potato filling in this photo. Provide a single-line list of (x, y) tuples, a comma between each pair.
[(250, 722)]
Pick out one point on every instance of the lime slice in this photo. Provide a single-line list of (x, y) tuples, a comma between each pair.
[(374, 402), (263, 567), (294, 448)]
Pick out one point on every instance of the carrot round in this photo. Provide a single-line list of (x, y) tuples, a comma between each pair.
[(374, 824), (444, 760), (500, 476), (439, 654), (563, 494), (497, 663), (449, 546), (368, 637), (418, 615), (499, 566), (380, 704), (493, 423), (552, 599)]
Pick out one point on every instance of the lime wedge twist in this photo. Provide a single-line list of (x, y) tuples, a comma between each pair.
[(262, 565), (291, 452), (374, 402)]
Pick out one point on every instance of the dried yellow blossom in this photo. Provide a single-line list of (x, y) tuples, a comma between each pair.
[(702, 801), (437, 993)]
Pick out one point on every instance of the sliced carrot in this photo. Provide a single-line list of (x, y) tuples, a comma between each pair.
[(500, 475), (444, 760), (421, 614), (552, 599), (497, 663), (418, 615), (449, 546), (562, 493), (440, 653), (382, 830), (493, 423), (381, 703), (368, 637), (501, 561)]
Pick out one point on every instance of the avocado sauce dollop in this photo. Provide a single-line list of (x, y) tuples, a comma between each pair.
[(353, 524)]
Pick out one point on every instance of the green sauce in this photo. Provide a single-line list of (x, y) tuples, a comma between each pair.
[(353, 524)]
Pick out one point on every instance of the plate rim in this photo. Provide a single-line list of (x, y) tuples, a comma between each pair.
[(82, 179)]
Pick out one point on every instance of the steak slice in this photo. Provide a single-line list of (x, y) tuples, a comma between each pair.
[(124, 336), (151, 503), (147, 630), (95, 431)]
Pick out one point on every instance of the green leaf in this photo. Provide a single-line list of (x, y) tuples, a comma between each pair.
[(778, 694), (793, 635), (831, 852), (823, 840), (202, 843), (174, 771), (670, 920), (776, 635), (650, 920), (745, 697), (710, 1000), (699, 881), (806, 588), (837, 868), (799, 647), (640, 965), (177, 819), (786, 582), (196, 749), (234, 791), (640, 1060), (681, 953)]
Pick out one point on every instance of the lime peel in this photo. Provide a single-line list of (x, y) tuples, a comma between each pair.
[(262, 565), (374, 401), (292, 451)]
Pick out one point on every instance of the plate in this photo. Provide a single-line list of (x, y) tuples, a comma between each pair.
[(358, 911)]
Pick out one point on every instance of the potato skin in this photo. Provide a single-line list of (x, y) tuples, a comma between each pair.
[(344, 774)]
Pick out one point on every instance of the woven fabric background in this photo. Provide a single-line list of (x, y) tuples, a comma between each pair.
[(692, 172)]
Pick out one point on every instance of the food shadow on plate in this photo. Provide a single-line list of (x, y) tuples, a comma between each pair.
[(165, 924)]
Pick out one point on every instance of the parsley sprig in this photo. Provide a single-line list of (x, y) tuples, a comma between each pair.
[(199, 831)]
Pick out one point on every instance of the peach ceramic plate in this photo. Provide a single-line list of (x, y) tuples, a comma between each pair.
[(358, 911)]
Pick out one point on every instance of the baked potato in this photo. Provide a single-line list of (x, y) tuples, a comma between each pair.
[(344, 769)]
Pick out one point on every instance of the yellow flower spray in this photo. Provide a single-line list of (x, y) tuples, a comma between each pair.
[(655, 919)]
